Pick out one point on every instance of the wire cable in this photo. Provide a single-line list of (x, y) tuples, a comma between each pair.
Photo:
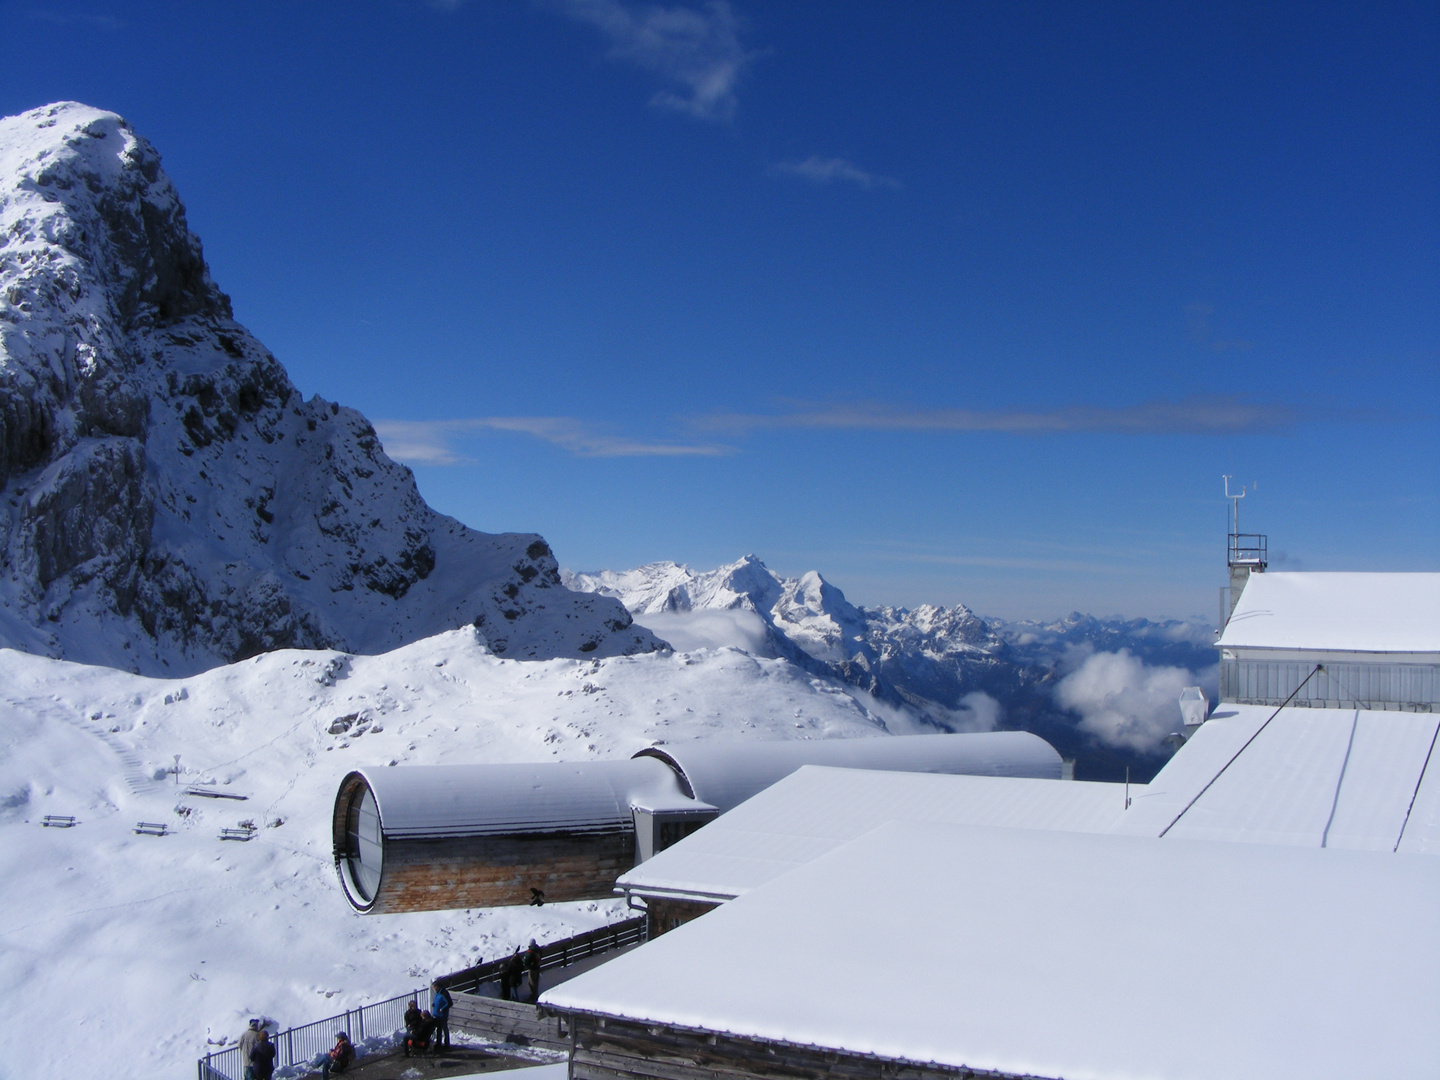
[(1262, 727), (1416, 793)]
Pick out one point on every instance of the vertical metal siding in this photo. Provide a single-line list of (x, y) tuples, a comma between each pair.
[(1338, 686)]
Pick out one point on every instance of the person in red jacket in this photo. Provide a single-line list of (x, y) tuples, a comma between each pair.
[(339, 1059)]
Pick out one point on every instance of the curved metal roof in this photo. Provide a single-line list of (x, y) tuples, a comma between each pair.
[(726, 774), (475, 800), (417, 801)]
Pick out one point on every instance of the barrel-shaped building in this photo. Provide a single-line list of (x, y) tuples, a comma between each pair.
[(425, 838)]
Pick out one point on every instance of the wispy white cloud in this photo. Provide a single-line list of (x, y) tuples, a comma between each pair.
[(696, 51), (820, 170), (434, 442), (1123, 701), (1189, 416)]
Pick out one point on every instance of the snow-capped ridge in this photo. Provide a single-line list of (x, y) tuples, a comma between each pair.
[(929, 659), (171, 501)]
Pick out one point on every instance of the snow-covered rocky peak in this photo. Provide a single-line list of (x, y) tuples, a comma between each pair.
[(748, 580), (170, 502), (933, 629), (929, 658), (745, 585), (807, 612), (816, 616)]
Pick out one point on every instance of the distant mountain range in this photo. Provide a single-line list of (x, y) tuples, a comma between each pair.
[(940, 662), (170, 501)]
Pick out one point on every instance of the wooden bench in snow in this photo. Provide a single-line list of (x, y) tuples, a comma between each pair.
[(237, 834), (151, 828), (515, 1022), (210, 793), (58, 821)]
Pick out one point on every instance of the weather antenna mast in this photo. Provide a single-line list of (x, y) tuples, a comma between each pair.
[(1234, 498), (1245, 553)]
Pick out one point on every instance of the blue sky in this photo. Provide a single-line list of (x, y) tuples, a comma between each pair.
[(951, 302)]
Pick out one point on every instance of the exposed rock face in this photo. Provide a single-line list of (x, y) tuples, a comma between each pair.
[(169, 501)]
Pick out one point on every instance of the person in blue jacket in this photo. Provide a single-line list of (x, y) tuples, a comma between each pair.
[(440, 1009)]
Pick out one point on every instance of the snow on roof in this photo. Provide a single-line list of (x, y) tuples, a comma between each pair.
[(1062, 954), (725, 774), (1337, 778), (817, 809), (1341, 612), (450, 800)]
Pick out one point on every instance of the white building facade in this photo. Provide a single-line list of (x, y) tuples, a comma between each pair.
[(1334, 641)]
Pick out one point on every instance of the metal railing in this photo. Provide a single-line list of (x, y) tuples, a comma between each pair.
[(1248, 549), (382, 1024), (379, 1025), (556, 954)]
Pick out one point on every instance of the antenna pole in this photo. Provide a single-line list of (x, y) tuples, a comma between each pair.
[(1235, 501)]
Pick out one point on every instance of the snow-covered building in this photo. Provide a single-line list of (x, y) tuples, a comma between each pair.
[(818, 809), (1320, 778), (456, 836), (1264, 907), (1334, 641), (935, 950)]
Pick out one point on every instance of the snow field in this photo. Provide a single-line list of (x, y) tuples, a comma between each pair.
[(151, 947)]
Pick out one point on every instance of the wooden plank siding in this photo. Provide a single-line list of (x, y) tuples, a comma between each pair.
[(514, 1022), (498, 871), (609, 1049)]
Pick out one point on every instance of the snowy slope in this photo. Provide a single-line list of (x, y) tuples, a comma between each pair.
[(151, 945), (170, 501)]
